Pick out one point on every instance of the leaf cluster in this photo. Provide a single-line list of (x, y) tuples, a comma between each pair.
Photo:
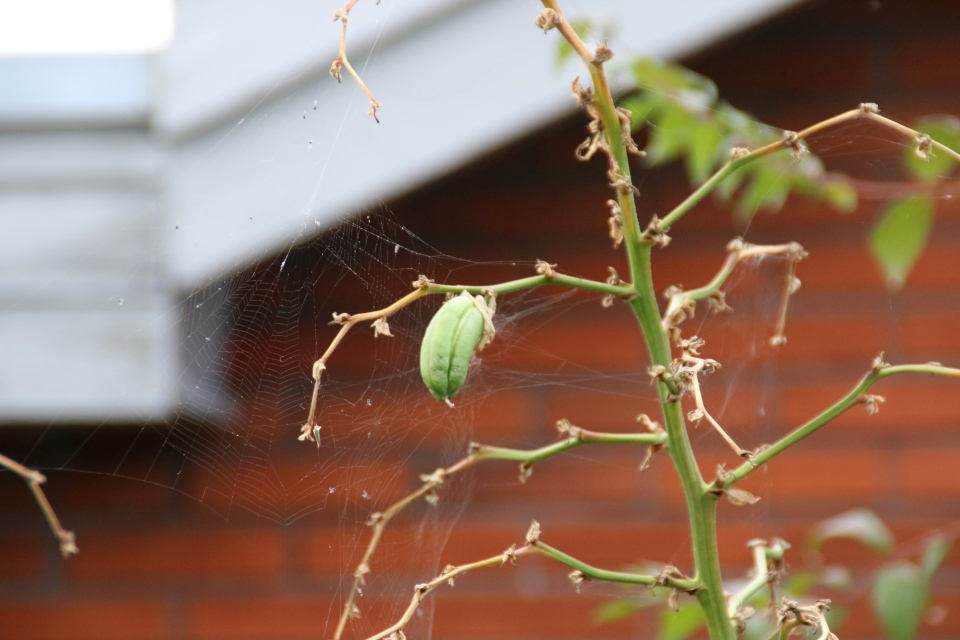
[(899, 588), (684, 118)]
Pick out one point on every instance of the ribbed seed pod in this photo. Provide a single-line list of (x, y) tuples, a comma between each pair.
[(448, 345)]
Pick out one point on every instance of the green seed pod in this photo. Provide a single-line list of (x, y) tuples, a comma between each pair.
[(448, 344)]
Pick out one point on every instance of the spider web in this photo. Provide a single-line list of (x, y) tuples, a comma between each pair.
[(246, 343)]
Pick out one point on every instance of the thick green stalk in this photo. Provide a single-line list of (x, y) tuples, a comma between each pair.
[(701, 505)]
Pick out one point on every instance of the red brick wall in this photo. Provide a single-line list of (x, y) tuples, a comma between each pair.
[(154, 563)]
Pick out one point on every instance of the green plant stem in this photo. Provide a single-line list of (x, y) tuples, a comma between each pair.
[(593, 573), (701, 504), (761, 579), (703, 190), (485, 452), (621, 290), (851, 399)]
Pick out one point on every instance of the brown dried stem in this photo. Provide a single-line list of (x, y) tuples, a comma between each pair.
[(682, 304), (348, 321), (343, 15), (424, 286), (669, 577), (34, 479), (696, 366), (767, 567), (572, 437), (449, 573), (791, 616)]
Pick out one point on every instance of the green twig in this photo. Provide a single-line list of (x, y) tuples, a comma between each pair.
[(856, 396), (582, 437), (573, 436), (559, 279), (763, 574), (701, 504), (585, 571), (740, 156)]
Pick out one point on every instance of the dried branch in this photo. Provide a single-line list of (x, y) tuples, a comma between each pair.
[(424, 286), (791, 616), (572, 437), (740, 156), (447, 575), (670, 577), (682, 304), (34, 479), (692, 368), (342, 15), (347, 320), (767, 568)]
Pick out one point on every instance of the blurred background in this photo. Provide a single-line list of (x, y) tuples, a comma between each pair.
[(183, 210)]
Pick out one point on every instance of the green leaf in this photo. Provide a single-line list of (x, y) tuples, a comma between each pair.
[(840, 195), (615, 610), (862, 525), (768, 190), (706, 138), (836, 577), (565, 51), (946, 131), (837, 616), (898, 240), (642, 107), (800, 584), (937, 549), (899, 597), (669, 135), (730, 184), (681, 624)]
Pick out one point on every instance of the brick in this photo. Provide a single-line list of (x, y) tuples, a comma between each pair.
[(938, 265), (614, 412), (819, 65), (83, 620), (525, 213), (931, 473), (338, 551), (171, 554), (911, 402), (612, 342), (286, 490), (595, 476), (519, 617), (500, 416), (832, 337), (920, 62), (260, 618), (839, 269), (106, 493), (933, 334), (22, 558), (803, 477)]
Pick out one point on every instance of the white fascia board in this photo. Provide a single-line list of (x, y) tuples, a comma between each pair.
[(230, 55), (88, 324), (463, 83), (79, 91)]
